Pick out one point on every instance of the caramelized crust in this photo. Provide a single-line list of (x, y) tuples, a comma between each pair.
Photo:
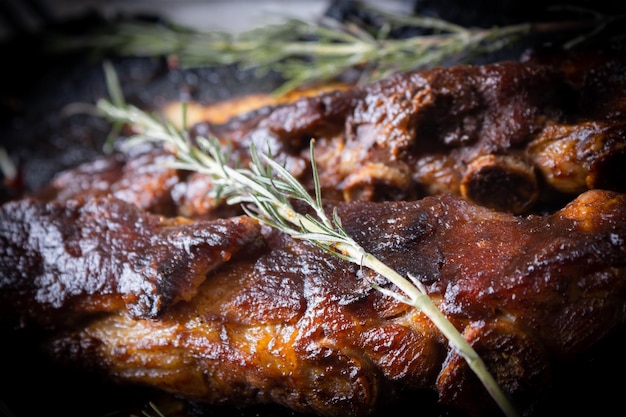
[(549, 128), (289, 324), (518, 137), (62, 260)]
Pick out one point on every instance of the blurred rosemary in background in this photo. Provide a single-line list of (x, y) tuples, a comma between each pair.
[(305, 52)]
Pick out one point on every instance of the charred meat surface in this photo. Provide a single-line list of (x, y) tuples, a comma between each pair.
[(103, 254), (280, 321), (507, 135)]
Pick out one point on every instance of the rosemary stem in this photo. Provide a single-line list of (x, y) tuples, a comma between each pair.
[(320, 49)]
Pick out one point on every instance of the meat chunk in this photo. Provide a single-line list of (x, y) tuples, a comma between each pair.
[(509, 135), (287, 323), (518, 137), (104, 255), (142, 178)]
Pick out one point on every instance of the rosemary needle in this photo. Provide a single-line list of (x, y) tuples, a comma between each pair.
[(265, 190)]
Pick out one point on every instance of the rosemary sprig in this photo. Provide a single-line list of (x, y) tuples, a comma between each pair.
[(265, 190), (317, 51), (8, 170), (153, 407)]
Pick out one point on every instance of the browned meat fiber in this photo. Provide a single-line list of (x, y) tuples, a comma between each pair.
[(227, 311), (509, 135)]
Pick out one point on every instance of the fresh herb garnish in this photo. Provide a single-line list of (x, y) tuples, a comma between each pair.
[(318, 51)]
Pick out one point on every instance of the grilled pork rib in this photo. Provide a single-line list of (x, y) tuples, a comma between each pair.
[(507, 135), (225, 311), (517, 137), (132, 270)]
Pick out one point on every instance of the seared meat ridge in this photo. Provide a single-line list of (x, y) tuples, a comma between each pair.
[(519, 137), (507, 135), (288, 323), (60, 261)]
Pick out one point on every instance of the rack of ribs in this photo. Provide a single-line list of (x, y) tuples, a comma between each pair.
[(510, 135), (227, 311), (131, 270)]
